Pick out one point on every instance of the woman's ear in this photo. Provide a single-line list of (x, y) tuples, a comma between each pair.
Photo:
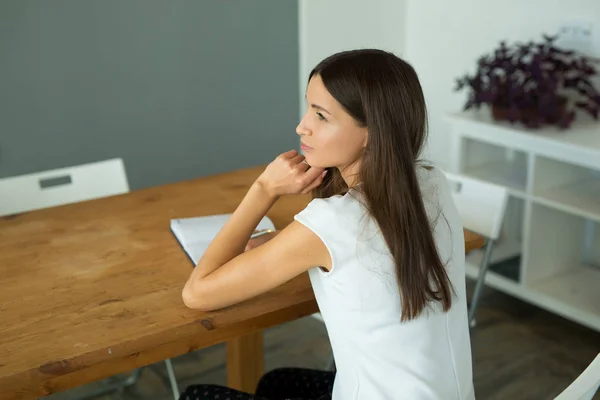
[(365, 138)]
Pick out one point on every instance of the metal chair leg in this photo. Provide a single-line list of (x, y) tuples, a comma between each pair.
[(485, 263), (172, 379), (131, 381)]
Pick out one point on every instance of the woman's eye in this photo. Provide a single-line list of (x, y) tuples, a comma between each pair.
[(321, 117)]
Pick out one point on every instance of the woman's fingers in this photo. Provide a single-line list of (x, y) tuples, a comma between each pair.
[(290, 174), (298, 160), (307, 174), (312, 174), (289, 154), (315, 183)]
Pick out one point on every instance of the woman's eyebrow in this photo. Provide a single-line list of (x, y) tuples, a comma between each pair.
[(318, 107)]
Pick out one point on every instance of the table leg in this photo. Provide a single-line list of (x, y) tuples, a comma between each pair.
[(245, 362)]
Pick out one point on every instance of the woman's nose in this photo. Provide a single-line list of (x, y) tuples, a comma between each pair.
[(302, 129)]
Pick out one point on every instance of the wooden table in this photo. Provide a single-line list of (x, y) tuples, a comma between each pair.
[(93, 289)]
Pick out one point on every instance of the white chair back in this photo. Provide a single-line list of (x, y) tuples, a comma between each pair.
[(586, 385), (62, 186), (480, 204)]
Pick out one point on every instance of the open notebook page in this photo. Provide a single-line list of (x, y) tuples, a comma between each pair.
[(195, 234)]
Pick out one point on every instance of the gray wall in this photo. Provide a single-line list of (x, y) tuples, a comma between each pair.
[(179, 89)]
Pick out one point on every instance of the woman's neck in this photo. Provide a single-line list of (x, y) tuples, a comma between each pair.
[(351, 174)]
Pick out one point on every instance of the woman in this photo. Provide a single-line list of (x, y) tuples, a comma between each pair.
[(381, 240)]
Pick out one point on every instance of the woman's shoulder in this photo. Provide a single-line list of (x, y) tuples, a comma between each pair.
[(436, 192), (430, 173), (334, 209), (432, 180)]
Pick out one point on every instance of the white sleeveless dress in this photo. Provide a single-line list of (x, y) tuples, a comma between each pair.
[(377, 356)]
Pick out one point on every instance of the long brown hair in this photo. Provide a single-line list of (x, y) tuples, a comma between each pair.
[(383, 93)]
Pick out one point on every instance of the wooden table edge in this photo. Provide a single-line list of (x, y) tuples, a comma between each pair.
[(12, 388)]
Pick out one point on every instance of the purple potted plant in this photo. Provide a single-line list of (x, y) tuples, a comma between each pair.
[(533, 83)]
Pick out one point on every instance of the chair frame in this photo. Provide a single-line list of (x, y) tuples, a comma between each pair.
[(62, 186), (586, 385), (490, 230)]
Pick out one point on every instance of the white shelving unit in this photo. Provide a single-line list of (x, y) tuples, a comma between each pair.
[(549, 252)]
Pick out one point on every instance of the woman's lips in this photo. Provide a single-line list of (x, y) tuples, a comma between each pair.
[(305, 147)]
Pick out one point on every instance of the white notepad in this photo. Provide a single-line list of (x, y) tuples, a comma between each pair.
[(195, 234)]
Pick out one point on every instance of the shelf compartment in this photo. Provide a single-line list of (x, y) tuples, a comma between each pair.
[(573, 294), (559, 241), (567, 187), (564, 264), (496, 164)]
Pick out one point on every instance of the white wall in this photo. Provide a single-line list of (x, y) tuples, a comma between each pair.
[(329, 26), (445, 38)]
